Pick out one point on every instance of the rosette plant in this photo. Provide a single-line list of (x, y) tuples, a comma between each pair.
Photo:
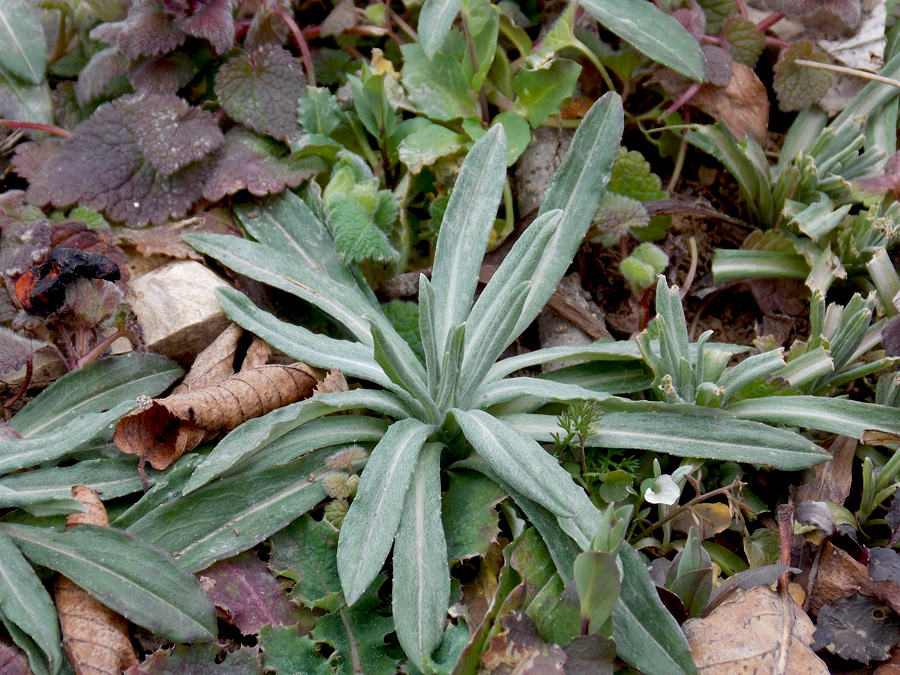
[(443, 400), (457, 406)]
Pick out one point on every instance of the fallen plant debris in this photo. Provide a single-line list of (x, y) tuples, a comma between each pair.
[(95, 637), (212, 400)]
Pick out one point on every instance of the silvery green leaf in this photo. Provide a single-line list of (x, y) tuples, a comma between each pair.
[(494, 318), (520, 461), (253, 439), (95, 388), (427, 335), (707, 433), (435, 21), (647, 636), (23, 50), (51, 446), (374, 516), (597, 351), (576, 189), (752, 368), (38, 505), (451, 371), (421, 585), (26, 603), (832, 415), (344, 304), (401, 365), (653, 32), (137, 580), (465, 230), (285, 223), (234, 513)]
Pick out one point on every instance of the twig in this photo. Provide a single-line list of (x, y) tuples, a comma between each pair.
[(301, 43)]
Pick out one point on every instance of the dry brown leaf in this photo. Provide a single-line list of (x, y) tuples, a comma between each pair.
[(518, 648), (709, 518), (95, 637), (757, 633), (832, 479), (213, 364), (742, 105), (168, 427), (839, 576), (334, 383)]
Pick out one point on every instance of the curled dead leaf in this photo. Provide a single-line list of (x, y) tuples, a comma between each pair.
[(171, 426), (95, 637)]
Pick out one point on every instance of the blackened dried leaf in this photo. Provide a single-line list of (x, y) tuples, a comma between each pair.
[(212, 21), (100, 71), (884, 563), (718, 65), (101, 166), (161, 74), (857, 628), (15, 349), (149, 31), (253, 162), (260, 90), (172, 134)]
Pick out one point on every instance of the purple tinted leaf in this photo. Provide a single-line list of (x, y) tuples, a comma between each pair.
[(66, 110), (848, 10), (172, 134), (248, 593), (16, 350), (30, 157), (255, 163), (693, 20), (149, 31), (107, 32), (99, 72), (101, 166), (160, 74), (718, 65), (212, 21), (206, 659), (260, 90)]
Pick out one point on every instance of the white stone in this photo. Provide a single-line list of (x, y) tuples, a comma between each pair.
[(177, 308)]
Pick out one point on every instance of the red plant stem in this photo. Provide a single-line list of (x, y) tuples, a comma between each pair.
[(684, 98), (776, 42), (49, 128), (710, 40), (301, 43), (29, 371), (98, 349), (769, 21), (741, 8)]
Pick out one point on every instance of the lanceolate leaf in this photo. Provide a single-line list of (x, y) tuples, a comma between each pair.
[(520, 461), (652, 32), (137, 580), (277, 269), (465, 230), (712, 436), (421, 574), (647, 637), (374, 516), (25, 452), (234, 513), (94, 388), (435, 21), (26, 603), (285, 223), (834, 415), (23, 50), (576, 188), (251, 440), (351, 358)]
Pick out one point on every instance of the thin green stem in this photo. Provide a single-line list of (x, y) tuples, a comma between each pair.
[(590, 56)]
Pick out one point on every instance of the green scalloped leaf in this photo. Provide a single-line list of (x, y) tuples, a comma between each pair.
[(631, 176), (743, 41), (798, 86)]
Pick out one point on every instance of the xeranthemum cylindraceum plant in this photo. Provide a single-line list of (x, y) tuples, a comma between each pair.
[(458, 397)]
